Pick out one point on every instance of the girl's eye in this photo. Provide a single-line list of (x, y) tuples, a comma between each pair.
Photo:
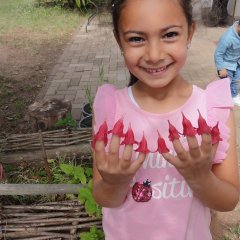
[(136, 39), (170, 35)]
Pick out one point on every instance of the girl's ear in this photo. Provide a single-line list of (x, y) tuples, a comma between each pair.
[(117, 39), (191, 31)]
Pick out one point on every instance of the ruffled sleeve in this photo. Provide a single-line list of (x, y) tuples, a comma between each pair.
[(104, 106), (219, 103)]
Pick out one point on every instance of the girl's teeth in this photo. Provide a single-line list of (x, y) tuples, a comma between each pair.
[(156, 70)]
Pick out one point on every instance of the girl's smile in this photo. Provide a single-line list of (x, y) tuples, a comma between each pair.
[(156, 72)]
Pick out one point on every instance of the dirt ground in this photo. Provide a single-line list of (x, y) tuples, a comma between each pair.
[(23, 76)]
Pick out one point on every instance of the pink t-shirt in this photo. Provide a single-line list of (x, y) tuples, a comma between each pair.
[(173, 213)]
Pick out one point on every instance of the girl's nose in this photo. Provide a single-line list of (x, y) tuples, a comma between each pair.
[(154, 53)]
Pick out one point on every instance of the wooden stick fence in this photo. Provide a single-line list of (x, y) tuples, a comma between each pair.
[(29, 147), (53, 220), (51, 139)]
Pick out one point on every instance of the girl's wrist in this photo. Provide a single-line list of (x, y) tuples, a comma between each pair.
[(202, 181), (119, 186)]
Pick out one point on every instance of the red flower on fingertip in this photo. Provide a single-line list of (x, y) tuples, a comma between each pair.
[(118, 128), (188, 129), (142, 147), (101, 135), (173, 133), (162, 147), (129, 137), (215, 134), (203, 128)]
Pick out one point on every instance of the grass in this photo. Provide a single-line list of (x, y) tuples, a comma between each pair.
[(18, 18)]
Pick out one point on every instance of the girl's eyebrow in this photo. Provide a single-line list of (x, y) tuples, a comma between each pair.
[(162, 30)]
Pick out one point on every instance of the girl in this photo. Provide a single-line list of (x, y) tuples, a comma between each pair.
[(160, 163)]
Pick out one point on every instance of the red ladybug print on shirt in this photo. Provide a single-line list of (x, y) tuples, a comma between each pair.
[(142, 192)]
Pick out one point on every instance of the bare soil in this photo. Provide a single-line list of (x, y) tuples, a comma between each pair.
[(24, 70)]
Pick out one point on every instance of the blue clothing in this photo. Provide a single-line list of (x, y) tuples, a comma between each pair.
[(227, 53), (235, 78), (227, 56)]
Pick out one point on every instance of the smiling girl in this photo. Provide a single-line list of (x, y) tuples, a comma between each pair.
[(164, 149)]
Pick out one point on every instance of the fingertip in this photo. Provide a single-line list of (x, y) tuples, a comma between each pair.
[(99, 145), (207, 138)]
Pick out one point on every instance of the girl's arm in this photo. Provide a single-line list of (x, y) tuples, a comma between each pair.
[(216, 186)]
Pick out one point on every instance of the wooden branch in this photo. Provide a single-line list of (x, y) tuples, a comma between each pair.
[(58, 228), (33, 216), (51, 153), (34, 233), (43, 222), (44, 156), (38, 189)]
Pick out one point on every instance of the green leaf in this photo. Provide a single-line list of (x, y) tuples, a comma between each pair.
[(93, 229), (79, 175), (78, 3), (67, 168), (84, 194), (90, 184), (89, 172), (91, 207)]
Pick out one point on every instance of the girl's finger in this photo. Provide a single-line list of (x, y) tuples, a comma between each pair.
[(171, 159), (180, 151), (214, 149), (193, 145), (206, 145), (114, 145), (135, 165), (127, 156), (100, 154)]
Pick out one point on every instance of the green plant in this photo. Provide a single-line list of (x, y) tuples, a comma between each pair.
[(68, 121), (80, 4), (85, 196), (19, 107), (93, 234), (225, 238), (89, 96), (83, 4), (83, 175), (76, 174), (88, 92), (235, 229), (101, 75)]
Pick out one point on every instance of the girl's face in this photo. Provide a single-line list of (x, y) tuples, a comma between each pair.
[(154, 35)]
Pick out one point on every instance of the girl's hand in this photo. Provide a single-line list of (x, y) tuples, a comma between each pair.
[(196, 163), (113, 169)]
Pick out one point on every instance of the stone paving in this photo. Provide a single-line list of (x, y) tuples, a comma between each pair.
[(79, 65)]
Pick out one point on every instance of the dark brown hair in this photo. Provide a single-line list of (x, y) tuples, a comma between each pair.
[(116, 6)]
